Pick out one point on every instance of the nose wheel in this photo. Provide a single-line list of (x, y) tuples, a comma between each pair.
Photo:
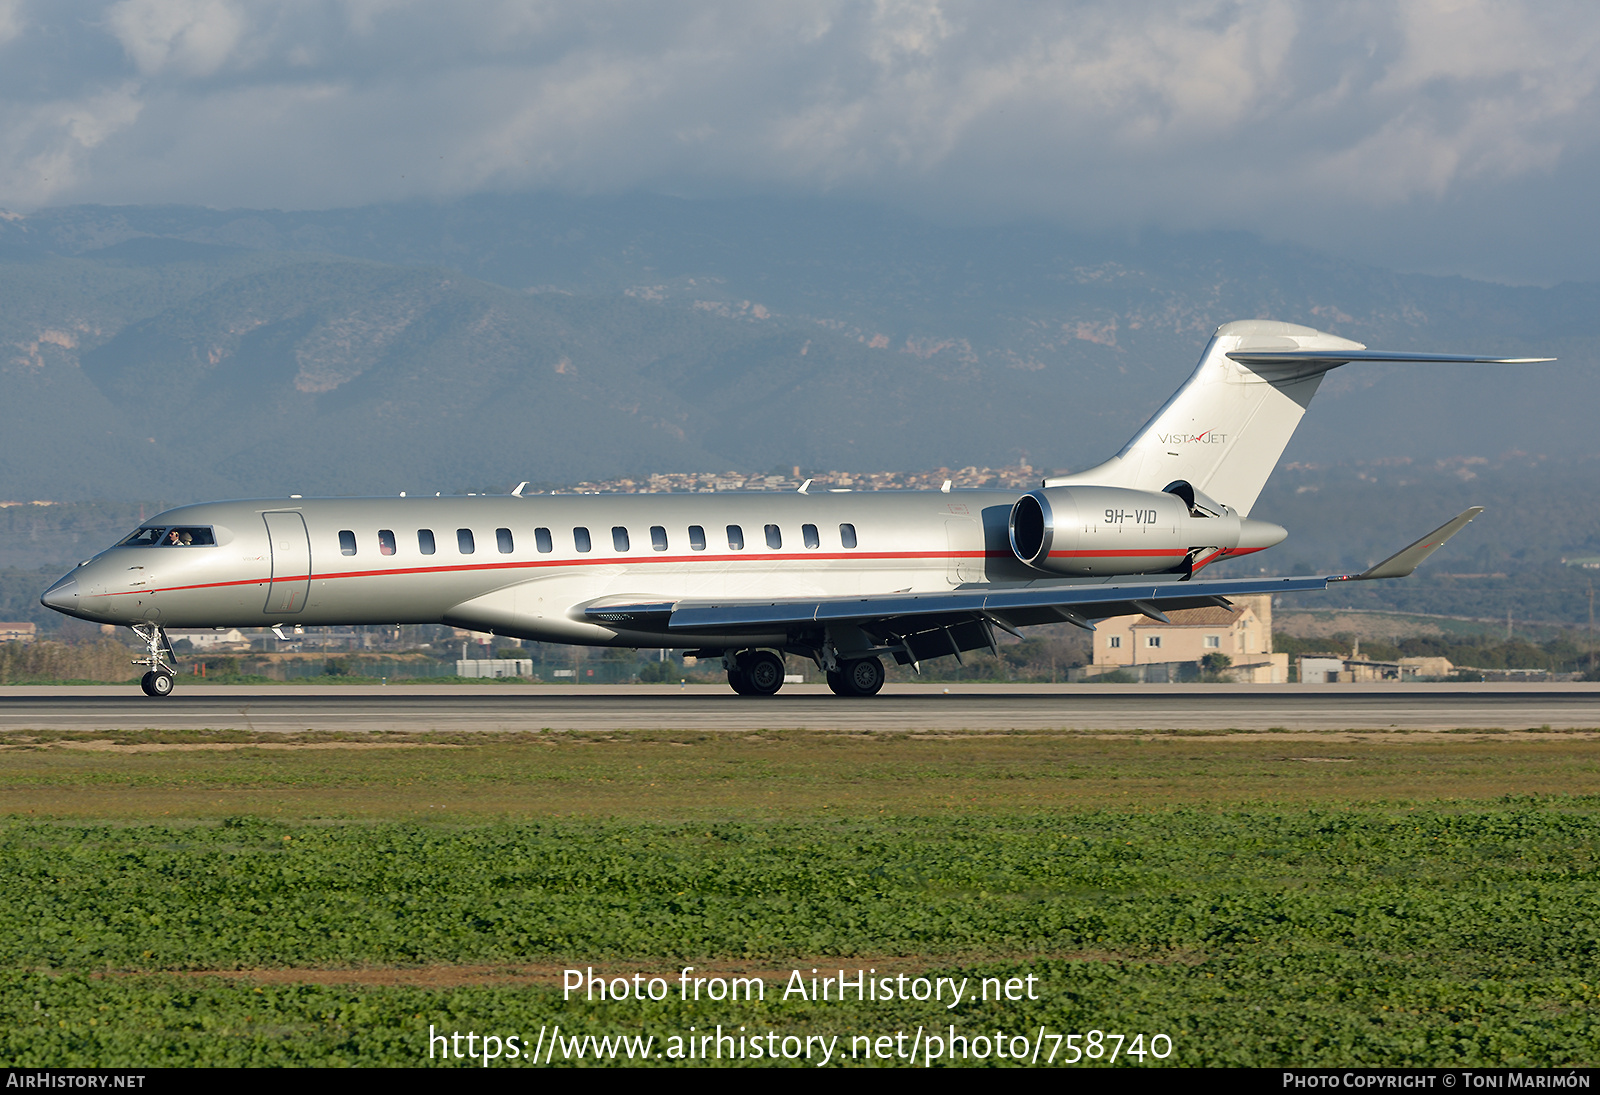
[(157, 682)]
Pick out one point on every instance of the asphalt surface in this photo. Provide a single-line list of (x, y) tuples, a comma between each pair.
[(899, 708)]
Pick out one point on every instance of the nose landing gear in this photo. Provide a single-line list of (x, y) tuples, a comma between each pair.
[(157, 682)]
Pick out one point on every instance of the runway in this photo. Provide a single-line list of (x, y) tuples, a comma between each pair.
[(900, 708)]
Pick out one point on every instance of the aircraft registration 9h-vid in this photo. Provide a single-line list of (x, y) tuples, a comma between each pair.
[(842, 578)]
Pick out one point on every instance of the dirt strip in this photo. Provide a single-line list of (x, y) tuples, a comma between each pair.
[(21, 741)]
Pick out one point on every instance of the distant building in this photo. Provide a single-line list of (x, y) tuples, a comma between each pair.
[(1425, 667), (1320, 669), (1155, 651), (18, 631), (496, 667), (1332, 669), (211, 639)]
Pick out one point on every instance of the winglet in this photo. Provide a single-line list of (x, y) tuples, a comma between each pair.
[(516, 491), (805, 488), (1406, 560)]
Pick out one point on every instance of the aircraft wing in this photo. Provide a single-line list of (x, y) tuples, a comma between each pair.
[(1037, 604), (926, 625), (920, 626)]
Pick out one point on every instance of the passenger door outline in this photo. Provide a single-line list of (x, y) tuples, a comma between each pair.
[(290, 545)]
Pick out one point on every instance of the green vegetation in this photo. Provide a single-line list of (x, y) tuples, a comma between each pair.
[(1331, 899), (136, 774), (62, 662), (1251, 936)]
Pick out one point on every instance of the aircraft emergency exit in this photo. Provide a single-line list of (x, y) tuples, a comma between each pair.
[(842, 578)]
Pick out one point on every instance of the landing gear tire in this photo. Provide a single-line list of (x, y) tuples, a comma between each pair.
[(737, 682), (157, 680), (763, 673), (861, 677)]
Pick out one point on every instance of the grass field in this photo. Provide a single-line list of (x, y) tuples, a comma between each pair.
[(1267, 899)]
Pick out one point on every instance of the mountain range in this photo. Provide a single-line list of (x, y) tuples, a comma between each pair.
[(189, 353)]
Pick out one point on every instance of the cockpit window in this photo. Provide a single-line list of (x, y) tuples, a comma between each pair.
[(171, 536)]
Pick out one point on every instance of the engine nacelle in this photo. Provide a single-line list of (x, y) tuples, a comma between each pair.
[(1099, 531)]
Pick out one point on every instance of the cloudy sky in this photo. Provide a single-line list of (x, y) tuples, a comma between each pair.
[(1443, 135)]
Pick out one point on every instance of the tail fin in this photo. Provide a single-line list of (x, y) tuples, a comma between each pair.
[(1224, 430)]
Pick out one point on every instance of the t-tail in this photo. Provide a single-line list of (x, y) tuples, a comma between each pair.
[(1223, 432)]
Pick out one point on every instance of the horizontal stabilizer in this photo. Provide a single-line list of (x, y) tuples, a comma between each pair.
[(1226, 428), (1406, 560), (1331, 359)]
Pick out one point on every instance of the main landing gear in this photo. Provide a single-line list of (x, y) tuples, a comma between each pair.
[(859, 677), (755, 673), (760, 673), (157, 682)]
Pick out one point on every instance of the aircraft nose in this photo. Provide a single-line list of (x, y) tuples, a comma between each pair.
[(63, 596)]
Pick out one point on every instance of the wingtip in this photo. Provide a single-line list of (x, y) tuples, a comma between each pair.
[(1405, 561)]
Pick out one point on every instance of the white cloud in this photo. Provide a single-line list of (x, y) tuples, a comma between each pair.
[(11, 21), (191, 37), (44, 149), (1249, 113)]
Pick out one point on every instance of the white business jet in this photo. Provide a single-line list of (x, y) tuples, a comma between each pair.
[(842, 578)]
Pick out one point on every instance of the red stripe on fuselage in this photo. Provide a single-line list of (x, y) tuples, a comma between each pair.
[(1130, 553), (613, 560), (539, 564), (1224, 554)]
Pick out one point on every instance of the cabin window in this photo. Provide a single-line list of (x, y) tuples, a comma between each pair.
[(542, 541), (1114, 642), (502, 539), (347, 542), (425, 542), (1213, 641), (385, 541), (580, 539), (697, 538), (1152, 640), (774, 537), (658, 538), (464, 542), (847, 535), (809, 534), (735, 538), (619, 537)]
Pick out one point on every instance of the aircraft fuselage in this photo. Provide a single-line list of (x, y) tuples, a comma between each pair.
[(530, 566)]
